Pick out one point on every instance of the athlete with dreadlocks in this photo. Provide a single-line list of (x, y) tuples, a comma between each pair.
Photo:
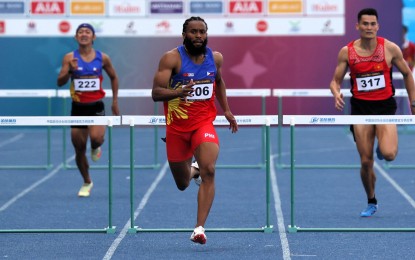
[(187, 80)]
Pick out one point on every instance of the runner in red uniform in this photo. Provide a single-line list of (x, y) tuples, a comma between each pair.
[(84, 67), (370, 60), (188, 79)]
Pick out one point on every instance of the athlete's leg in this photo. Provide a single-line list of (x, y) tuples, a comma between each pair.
[(79, 138), (206, 155), (181, 173), (365, 138), (388, 141), (97, 135)]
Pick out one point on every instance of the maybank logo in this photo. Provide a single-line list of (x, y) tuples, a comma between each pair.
[(322, 120), (85, 7)]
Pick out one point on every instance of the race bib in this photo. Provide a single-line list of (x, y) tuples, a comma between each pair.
[(201, 92), (369, 82), (84, 85)]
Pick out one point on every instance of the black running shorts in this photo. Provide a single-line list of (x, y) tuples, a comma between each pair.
[(87, 109)]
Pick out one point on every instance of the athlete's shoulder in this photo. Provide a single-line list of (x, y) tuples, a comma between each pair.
[(170, 59), (390, 45)]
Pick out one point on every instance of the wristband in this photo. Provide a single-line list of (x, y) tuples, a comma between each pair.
[(413, 104)]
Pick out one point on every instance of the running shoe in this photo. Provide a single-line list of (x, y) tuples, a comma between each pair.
[(369, 211), (198, 235), (96, 154), (379, 154), (196, 178), (85, 190)]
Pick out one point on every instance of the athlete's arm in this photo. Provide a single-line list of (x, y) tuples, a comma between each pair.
[(109, 69), (338, 77), (66, 69), (169, 64), (399, 62), (221, 93)]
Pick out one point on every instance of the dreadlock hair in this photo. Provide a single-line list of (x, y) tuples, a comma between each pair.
[(193, 18)]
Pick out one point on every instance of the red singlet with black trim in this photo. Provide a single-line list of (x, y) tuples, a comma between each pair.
[(370, 76)]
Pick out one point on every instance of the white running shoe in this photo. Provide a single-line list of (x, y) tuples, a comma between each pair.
[(96, 154), (198, 235), (85, 190), (197, 178)]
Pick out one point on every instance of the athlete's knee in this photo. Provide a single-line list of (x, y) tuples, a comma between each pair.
[(390, 156), (209, 172), (182, 185), (367, 164)]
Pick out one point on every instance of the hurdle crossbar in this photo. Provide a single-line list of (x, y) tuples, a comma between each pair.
[(292, 120), (133, 121), (109, 121), (32, 93)]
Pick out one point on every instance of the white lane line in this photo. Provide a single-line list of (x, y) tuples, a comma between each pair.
[(143, 202), (11, 140), (391, 181), (280, 218), (33, 186), (395, 184)]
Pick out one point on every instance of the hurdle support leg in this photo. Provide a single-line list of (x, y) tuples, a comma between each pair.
[(110, 229), (268, 228), (132, 229), (292, 228)]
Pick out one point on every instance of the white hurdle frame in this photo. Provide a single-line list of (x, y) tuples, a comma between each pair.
[(32, 93), (292, 120), (48, 121), (133, 121)]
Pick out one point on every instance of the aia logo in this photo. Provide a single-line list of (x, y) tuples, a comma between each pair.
[(64, 27), (48, 7), (245, 7), (2, 27)]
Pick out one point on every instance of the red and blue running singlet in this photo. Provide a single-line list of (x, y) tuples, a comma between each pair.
[(86, 81), (199, 109)]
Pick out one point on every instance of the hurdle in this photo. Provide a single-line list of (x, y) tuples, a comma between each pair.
[(263, 93), (49, 121), (133, 121), (281, 93), (122, 93), (292, 120), (32, 93)]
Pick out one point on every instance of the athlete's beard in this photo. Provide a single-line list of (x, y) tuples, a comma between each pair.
[(195, 51)]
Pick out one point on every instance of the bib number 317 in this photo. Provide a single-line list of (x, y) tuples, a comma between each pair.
[(370, 83)]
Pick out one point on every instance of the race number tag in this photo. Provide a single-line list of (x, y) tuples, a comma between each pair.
[(201, 92), (84, 85), (369, 82)]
